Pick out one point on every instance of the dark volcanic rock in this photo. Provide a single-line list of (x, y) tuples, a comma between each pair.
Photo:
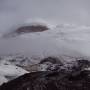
[(32, 28), (53, 60), (26, 29), (74, 79)]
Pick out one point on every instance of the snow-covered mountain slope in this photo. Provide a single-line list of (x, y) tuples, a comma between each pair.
[(12, 66), (76, 76), (19, 60), (9, 72)]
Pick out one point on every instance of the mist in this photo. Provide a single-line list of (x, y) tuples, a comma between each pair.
[(55, 12), (60, 11)]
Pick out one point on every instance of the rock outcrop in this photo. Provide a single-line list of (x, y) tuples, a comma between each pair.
[(32, 28), (26, 29)]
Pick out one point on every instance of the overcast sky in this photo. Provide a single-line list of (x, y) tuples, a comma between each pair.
[(63, 11), (13, 12)]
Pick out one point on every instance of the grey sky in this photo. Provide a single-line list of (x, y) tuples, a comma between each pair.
[(59, 11), (68, 11)]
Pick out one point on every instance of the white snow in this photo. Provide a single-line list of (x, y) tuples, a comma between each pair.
[(9, 72), (2, 79)]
